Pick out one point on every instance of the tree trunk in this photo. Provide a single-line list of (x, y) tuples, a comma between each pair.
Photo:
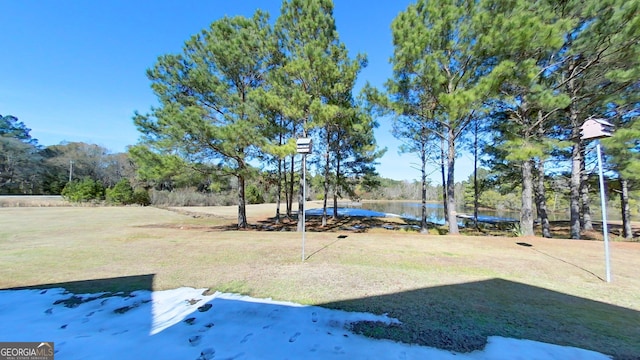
[(291, 181), (444, 182), (627, 231), (336, 187), (279, 184), (541, 201), (326, 186), (526, 214), (575, 190), (287, 195), (451, 185), (541, 194), (301, 193), (423, 177), (242, 209), (475, 176), (585, 201), (576, 155), (278, 191)]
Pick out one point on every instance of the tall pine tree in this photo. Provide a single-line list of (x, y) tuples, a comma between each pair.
[(208, 114), (315, 68)]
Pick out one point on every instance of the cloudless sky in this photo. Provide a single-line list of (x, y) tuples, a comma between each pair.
[(75, 70)]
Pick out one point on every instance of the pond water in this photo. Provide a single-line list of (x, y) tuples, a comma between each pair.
[(435, 211), (411, 210)]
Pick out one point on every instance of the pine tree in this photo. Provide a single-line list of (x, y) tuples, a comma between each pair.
[(209, 115), (623, 153), (315, 67), (440, 75), (599, 59), (524, 60), (20, 158)]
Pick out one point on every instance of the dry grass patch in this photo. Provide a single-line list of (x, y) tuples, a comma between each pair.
[(32, 201), (449, 291)]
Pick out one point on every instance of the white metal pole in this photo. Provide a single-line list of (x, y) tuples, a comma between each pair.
[(603, 204), (304, 197)]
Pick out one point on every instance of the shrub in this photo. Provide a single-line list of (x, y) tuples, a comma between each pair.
[(253, 195), (141, 197), (191, 197), (83, 190), (121, 193)]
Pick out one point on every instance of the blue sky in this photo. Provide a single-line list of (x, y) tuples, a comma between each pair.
[(75, 70)]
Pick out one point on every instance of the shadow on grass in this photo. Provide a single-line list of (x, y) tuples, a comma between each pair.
[(339, 237), (559, 259), (562, 229), (352, 224), (456, 317), (460, 317), (123, 284)]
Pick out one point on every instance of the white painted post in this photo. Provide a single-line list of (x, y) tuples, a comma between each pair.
[(304, 199), (597, 129), (304, 146), (603, 204)]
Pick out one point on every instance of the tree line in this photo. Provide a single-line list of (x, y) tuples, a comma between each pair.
[(517, 79), (29, 168), (88, 173), (511, 81), (242, 92)]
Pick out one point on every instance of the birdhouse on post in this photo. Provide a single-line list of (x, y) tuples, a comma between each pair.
[(596, 129), (304, 145)]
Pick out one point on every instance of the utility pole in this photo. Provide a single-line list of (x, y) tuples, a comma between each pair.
[(70, 170)]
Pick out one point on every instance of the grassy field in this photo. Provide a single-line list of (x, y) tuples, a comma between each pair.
[(449, 291)]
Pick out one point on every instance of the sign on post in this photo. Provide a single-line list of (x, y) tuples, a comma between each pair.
[(304, 145)]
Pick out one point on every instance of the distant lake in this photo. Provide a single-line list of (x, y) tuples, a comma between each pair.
[(435, 211)]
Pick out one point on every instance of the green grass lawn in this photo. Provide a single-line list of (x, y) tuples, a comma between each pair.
[(448, 291)]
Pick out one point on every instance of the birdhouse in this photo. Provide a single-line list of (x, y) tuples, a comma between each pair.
[(304, 145), (596, 129)]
